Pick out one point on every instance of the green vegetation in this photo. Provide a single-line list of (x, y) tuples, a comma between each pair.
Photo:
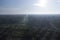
[(36, 28)]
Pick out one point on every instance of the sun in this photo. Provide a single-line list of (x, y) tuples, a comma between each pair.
[(41, 3), (42, 7)]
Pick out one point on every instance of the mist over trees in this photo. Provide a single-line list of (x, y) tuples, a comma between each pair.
[(29, 27)]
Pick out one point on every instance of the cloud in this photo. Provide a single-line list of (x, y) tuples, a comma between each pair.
[(41, 3), (21, 11), (11, 11), (42, 12), (58, 1)]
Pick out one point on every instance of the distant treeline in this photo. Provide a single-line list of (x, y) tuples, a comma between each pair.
[(11, 19)]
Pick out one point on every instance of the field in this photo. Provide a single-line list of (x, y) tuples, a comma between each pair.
[(29, 27)]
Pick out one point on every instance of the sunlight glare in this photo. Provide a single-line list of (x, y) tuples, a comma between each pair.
[(41, 3)]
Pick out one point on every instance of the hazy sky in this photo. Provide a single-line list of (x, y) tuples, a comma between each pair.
[(29, 6)]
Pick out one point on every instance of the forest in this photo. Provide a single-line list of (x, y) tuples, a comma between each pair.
[(29, 27)]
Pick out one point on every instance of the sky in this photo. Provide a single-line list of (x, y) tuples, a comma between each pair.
[(29, 6)]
